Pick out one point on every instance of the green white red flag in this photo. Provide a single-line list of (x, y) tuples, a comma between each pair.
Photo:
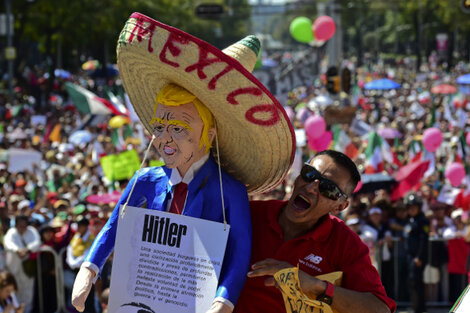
[(377, 151), (343, 143), (88, 103)]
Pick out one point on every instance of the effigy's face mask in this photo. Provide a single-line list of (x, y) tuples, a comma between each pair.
[(177, 131)]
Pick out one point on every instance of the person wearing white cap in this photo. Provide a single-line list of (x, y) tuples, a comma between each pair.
[(458, 228), (188, 95), (24, 206), (20, 241)]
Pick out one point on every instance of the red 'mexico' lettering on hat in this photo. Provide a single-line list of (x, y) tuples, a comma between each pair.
[(141, 31), (174, 50), (203, 61), (268, 108), (255, 91)]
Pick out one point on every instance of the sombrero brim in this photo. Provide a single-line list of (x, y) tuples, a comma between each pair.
[(256, 139)]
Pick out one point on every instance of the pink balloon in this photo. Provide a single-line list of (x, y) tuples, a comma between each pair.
[(467, 138), (324, 28), (455, 173), (432, 139), (315, 126), (321, 143)]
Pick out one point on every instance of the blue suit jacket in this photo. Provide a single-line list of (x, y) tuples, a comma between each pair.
[(203, 201)]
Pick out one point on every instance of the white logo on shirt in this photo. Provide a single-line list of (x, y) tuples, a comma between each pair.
[(313, 258)]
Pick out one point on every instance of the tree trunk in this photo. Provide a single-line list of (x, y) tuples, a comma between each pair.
[(416, 21), (359, 46), (51, 60), (450, 51)]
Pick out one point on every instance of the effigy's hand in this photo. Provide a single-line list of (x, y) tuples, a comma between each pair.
[(81, 288), (219, 307)]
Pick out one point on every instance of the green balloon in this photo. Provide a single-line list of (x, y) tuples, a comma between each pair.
[(301, 29)]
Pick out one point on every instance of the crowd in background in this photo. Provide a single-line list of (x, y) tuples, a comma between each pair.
[(50, 205)]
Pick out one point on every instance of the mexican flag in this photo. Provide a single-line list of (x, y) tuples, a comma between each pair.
[(459, 100), (418, 153), (377, 152), (356, 95), (416, 150), (117, 103), (409, 177), (88, 103), (343, 143)]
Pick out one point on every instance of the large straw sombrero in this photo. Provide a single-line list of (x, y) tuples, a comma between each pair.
[(256, 139)]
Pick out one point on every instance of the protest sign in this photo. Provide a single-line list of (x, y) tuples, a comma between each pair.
[(165, 262), (23, 159), (120, 166), (38, 119), (156, 163)]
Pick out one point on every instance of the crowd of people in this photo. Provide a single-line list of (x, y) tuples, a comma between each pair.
[(49, 205)]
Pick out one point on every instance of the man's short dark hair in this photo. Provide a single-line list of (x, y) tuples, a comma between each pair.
[(20, 218), (344, 161)]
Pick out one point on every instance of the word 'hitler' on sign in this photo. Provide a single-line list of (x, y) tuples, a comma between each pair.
[(162, 231)]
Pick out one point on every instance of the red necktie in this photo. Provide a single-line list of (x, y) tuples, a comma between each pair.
[(179, 197)]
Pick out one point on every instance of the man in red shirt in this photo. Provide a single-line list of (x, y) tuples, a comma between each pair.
[(302, 232)]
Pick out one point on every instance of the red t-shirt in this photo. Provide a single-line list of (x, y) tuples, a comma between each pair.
[(458, 254), (330, 247)]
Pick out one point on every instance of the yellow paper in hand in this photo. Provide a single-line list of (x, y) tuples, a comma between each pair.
[(294, 299)]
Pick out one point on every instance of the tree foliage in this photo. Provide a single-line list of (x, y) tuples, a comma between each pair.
[(404, 26), (90, 28)]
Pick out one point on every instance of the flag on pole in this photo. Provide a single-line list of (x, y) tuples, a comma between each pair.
[(117, 139), (117, 103), (88, 103), (416, 150), (433, 114), (127, 133), (448, 114), (343, 143), (377, 151), (356, 95), (409, 176)]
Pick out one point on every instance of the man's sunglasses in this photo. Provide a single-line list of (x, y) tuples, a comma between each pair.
[(326, 187)]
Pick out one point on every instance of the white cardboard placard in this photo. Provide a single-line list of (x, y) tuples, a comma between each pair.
[(165, 262)]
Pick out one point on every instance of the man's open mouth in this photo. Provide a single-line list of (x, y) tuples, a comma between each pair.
[(301, 202), (169, 150)]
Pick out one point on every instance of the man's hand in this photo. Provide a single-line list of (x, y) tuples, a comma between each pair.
[(267, 267), (219, 307), (20, 309), (310, 285), (418, 262), (82, 287), (23, 252)]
